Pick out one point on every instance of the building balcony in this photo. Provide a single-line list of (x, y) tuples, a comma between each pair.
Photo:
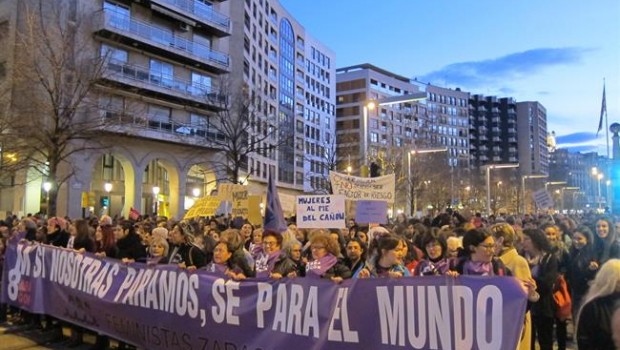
[(140, 80), (152, 127), (161, 41), (196, 13)]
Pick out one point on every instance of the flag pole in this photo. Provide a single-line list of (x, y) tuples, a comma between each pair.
[(606, 119)]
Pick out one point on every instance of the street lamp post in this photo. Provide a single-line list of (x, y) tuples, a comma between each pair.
[(156, 190), (368, 106), (608, 194), (488, 178), (412, 195), (599, 177), (108, 188), (523, 178), (371, 104)]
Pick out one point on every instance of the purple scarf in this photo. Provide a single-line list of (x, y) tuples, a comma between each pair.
[(478, 268), (265, 262), (317, 268)]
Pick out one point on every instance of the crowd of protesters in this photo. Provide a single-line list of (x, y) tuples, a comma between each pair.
[(535, 249)]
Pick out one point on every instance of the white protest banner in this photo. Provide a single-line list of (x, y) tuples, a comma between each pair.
[(543, 199), (325, 211), (363, 188)]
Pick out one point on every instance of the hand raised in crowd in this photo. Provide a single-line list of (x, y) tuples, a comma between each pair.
[(530, 288), (593, 265), (395, 274), (336, 279), (275, 275), (452, 273), (364, 273)]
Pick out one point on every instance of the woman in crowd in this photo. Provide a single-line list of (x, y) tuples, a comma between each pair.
[(582, 265), (478, 255), (241, 257), (356, 258), (594, 318), (555, 236), (222, 262), (435, 262), (158, 250), (272, 262), (505, 238), (606, 244), (324, 263), (182, 251), (247, 234), (82, 241), (388, 257), (293, 249), (544, 266), (105, 241)]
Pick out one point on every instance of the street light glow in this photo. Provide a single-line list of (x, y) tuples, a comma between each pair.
[(107, 187), (196, 192), (47, 186)]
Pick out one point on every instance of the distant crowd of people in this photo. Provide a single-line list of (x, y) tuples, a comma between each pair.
[(536, 249)]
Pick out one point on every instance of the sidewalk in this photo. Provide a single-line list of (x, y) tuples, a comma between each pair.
[(26, 337)]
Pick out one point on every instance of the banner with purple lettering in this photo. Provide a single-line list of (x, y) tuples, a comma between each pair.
[(164, 307)]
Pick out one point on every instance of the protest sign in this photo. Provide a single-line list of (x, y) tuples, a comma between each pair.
[(543, 199), (225, 190), (254, 215), (371, 211), (164, 307), (240, 203), (363, 188), (205, 206), (325, 211)]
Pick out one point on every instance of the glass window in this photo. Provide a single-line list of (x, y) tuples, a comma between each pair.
[(161, 73)]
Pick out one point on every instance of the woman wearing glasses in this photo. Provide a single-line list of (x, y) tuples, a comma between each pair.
[(478, 255), (325, 263), (272, 261)]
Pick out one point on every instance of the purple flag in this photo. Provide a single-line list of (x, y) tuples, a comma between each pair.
[(274, 217)]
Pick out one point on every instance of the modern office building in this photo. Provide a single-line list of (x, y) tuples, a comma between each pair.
[(170, 67), (532, 138), (492, 130)]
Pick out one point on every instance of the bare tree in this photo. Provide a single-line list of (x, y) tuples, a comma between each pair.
[(52, 114), (240, 129)]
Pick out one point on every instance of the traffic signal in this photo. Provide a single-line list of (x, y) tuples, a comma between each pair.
[(375, 170)]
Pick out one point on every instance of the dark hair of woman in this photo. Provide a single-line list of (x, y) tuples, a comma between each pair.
[(473, 238), (539, 239)]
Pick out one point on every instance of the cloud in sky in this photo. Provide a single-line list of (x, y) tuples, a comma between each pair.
[(578, 137), (498, 70)]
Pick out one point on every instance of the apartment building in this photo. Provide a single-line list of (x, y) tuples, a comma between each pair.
[(492, 130), (376, 120), (532, 138), (293, 75), (170, 66)]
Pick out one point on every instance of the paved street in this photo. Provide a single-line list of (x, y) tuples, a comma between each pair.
[(22, 337)]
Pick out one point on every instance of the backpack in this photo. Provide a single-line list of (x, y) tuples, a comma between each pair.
[(561, 299)]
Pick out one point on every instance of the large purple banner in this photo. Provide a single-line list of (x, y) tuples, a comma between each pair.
[(164, 307)]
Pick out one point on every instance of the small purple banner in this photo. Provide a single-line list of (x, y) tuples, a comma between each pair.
[(371, 212), (164, 307)]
